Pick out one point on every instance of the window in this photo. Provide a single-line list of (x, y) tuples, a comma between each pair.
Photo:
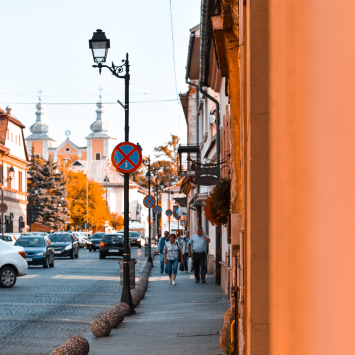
[(19, 140), (7, 134), (12, 137), (8, 177), (97, 156), (67, 149), (15, 138), (1, 175), (20, 180)]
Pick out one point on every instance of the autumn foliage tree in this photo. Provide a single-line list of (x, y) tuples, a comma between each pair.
[(116, 221), (98, 213)]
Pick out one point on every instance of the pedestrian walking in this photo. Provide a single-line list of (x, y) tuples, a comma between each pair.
[(197, 250), (185, 249), (160, 247), (171, 253)]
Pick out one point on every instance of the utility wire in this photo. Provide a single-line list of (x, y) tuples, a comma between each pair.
[(172, 38), (143, 93)]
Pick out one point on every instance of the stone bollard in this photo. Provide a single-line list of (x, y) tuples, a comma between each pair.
[(100, 328), (124, 307), (114, 317), (79, 344), (63, 350)]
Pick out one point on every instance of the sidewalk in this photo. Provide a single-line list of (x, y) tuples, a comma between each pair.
[(186, 318)]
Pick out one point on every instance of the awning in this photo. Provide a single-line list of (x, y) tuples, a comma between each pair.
[(181, 201), (136, 227)]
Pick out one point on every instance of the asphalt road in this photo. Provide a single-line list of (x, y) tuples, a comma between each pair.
[(48, 306)]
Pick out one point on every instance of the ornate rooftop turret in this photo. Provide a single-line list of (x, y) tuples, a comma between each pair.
[(100, 126), (40, 129)]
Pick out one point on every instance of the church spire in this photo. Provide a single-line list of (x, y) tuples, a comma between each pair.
[(100, 125)]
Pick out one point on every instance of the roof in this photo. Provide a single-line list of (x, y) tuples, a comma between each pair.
[(184, 98)]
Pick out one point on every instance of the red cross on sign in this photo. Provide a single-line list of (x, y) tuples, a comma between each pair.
[(149, 201), (126, 157)]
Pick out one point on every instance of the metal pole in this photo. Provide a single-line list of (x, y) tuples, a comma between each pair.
[(126, 292), (2, 211), (87, 207), (150, 260), (169, 209)]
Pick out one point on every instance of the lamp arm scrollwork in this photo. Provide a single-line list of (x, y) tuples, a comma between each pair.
[(115, 70)]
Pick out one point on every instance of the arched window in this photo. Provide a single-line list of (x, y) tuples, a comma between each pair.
[(21, 225), (97, 156)]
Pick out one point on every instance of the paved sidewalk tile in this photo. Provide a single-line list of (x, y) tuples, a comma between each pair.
[(182, 319)]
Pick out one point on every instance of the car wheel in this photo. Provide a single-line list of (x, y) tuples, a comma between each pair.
[(90, 249), (94, 249), (52, 263), (77, 253), (102, 256), (139, 246), (7, 277), (72, 256), (46, 265)]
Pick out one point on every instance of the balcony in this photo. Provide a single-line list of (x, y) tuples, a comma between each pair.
[(189, 156)]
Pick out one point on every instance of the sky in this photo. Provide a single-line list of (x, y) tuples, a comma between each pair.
[(45, 46)]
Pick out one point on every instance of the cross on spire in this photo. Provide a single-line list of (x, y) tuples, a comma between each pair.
[(100, 90), (40, 92)]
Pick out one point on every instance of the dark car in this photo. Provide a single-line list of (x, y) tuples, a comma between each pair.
[(94, 243), (38, 249), (135, 239), (65, 244), (111, 245)]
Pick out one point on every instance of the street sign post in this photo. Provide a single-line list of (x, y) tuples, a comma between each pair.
[(149, 201), (126, 157), (169, 213), (157, 210)]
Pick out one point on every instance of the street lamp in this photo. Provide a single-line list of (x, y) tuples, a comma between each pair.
[(99, 46), (157, 195), (106, 181), (31, 208), (11, 175), (59, 205)]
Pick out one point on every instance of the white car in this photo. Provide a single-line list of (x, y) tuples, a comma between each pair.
[(82, 238), (11, 238), (12, 264)]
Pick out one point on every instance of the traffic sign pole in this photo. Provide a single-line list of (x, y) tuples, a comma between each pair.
[(126, 292)]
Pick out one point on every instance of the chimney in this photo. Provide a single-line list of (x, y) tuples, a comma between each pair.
[(8, 110)]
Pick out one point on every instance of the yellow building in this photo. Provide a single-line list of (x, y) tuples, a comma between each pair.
[(13, 154)]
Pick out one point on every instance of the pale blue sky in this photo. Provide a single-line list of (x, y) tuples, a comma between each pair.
[(44, 45)]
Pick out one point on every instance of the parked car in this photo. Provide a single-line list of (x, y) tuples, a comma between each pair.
[(81, 237), (111, 245), (38, 249), (12, 264), (65, 244), (94, 243), (10, 239), (135, 239)]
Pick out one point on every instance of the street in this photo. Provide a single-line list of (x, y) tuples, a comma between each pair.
[(48, 306)]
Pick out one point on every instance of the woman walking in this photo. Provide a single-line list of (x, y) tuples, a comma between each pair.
[(171, 254)]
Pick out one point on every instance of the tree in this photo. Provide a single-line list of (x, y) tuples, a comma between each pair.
[(98, 213), (167, 169), (51, 186), (116, 221)]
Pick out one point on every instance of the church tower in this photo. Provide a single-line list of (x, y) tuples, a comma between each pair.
[(98, 142), (39, 139)]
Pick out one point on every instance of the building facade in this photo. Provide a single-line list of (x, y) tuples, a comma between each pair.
[(13, 154)]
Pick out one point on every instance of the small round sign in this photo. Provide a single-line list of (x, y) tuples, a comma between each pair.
[(169, 213), (126, 157), (157, 210), (177, 217), (149, 201), (3, 208)]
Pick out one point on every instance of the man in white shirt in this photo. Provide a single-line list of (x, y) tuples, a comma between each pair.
[(197, 250)]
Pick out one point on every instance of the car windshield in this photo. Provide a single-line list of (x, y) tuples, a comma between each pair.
[(98, 235), (60, 238), (133, 234), (113, 238), (30, 242)]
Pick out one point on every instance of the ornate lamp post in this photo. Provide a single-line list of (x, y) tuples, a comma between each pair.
[(106, 181), (99, 46), (157, 198), (11, 176)]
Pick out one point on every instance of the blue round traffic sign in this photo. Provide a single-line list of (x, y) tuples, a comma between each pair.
[(126, 157), (149, 201), (157, 210), (169, 213)]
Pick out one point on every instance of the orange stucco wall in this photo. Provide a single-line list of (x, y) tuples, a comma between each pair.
[(97, 147), (38, 147), (72, 149), (83, 155), (312, 193)]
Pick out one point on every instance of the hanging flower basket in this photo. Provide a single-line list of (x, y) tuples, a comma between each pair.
[(217, 208)]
